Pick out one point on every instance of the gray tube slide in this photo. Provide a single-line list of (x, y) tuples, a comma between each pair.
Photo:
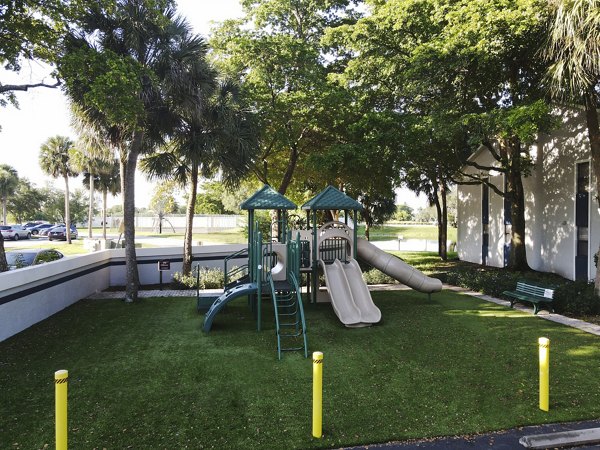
[(396, 268)]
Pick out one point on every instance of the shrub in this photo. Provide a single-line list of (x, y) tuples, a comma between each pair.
[(181, 281), (375, 276), (209, 279), (576, 298), (489, 281)]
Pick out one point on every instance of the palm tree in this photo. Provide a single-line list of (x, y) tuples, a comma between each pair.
[(90, 158), (574, 49), (9, 180), (215, 137), (108, 181), (55, 160), (137, 48)]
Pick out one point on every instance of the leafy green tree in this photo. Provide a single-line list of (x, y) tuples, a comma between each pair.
[(56, 161), (276, 49), (471, 65), (9, 180), (210, 199), (30, 29), (377, 210), (404, 213), (573, 48), (163, 202), (26, 203), (53, 205)]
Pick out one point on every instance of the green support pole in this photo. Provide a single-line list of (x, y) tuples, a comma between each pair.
[(259, 280), (355, 234), (315, 264)]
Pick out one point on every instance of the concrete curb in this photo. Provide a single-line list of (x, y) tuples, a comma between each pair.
[(561, 439)]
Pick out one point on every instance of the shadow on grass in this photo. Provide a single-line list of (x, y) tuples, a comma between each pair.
[(145, 376)]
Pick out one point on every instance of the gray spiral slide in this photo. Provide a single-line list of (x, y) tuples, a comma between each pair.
[(397, 269)]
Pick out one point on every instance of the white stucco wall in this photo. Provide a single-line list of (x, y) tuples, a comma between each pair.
[(549, 205), (468, 222), (32, 294)]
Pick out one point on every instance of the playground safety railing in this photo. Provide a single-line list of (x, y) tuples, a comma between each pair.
[(332, 249), (235, 272)]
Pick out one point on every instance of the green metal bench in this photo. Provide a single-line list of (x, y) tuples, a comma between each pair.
[(535, 293)]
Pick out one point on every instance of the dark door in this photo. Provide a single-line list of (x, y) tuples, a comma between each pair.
[(485, 220), (582, 197)]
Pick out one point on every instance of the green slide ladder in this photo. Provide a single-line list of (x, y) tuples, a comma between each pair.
[(290, 325)]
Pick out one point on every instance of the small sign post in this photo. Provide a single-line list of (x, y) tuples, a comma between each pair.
[(163, 264)]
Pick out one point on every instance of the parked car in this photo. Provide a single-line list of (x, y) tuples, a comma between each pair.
[(31, 257), (60, 233), (15, 232), (40, 227), (30, 225)]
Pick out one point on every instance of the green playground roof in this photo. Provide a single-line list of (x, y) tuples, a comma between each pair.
[(268, 198), (332, 198)]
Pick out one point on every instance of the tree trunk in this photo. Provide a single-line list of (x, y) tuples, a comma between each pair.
[(443, 224), (4, 212), (591, 115), (289, 172), (91, 206), (518, 254), (67, 211), (104, 198), (3, 263), (189, 222), (132, 284)]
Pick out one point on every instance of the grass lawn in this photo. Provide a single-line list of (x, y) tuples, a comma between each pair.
[(390, 231), (144, 376), (76, 247)]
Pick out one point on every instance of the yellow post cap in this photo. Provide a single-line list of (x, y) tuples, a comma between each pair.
[(317, 356), (61, 374)]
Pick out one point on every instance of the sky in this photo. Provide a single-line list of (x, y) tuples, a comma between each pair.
[(44, 113)]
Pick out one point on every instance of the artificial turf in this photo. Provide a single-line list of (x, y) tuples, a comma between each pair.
[(144, 375)]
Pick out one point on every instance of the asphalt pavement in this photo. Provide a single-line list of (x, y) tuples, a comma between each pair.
[(501, 440)]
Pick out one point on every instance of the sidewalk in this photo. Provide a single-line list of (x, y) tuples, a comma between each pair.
[(501, 440)]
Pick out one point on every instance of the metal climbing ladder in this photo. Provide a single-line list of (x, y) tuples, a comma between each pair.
[(290, 325)]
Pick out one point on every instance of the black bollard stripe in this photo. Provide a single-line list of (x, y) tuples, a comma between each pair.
[(317, 361), (61, 381)]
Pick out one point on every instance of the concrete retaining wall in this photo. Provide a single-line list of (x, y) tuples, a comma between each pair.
[(32, 294)]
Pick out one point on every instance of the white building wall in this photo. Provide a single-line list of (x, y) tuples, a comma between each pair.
[(549, 205), (496, 224), (468, 241)]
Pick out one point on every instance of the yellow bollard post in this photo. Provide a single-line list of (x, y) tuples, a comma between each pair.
[(544, 349), (317, 414), (61, 379)]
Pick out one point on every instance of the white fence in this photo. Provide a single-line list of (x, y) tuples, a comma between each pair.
[(202, 222), (412, 245), (32, 294)]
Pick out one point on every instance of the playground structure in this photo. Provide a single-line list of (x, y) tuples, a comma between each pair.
[(334, 248), (275, 266)]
